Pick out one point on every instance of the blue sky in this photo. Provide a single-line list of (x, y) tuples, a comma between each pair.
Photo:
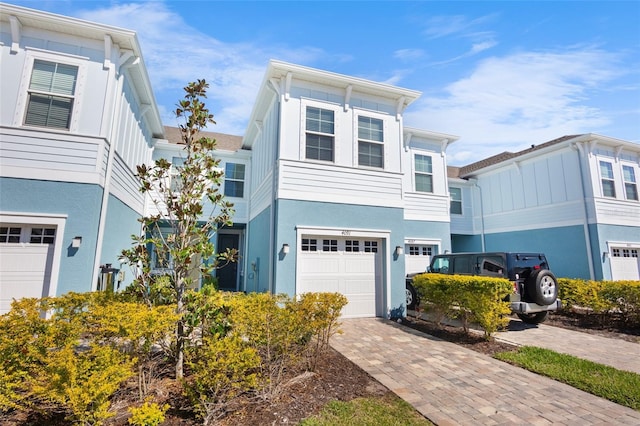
[(500, 75)]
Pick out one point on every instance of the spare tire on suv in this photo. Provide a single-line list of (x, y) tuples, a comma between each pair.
[(542, 287)]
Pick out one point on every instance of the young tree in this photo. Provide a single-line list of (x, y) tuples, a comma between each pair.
[(180, 232)]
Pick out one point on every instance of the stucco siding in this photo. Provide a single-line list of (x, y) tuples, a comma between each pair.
[(565, 247), (259, 253), (81, 202)]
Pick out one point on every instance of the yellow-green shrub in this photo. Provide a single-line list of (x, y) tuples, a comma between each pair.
[(604, 298), (221, 369), (469, 298), (82, 380), (319, 312), (275, 332), (149, 414)]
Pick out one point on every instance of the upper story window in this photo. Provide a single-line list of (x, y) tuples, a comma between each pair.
[(456, 200), (370, 142), (423, 173), (608, 183), (630, 185), (176, 181), (320, 134), (234, 180), (51, 94)]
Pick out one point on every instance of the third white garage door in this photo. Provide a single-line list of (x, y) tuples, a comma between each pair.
[(625, 263), (350, 266)]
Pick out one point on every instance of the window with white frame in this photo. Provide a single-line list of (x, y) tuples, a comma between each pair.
[(51, 94), (370, 142), (608, 182), (329, 245), (320, 134), (176, 181), (42, 235), (234, 180), (309, 244), (630, 185), (370, 246), (352, 245), (423, 173), (456, 200), (10, 234)]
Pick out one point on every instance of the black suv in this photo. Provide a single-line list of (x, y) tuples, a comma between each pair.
[(535, 288)]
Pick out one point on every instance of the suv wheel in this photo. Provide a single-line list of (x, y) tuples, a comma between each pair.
[(412, 296), (542, 287), (534, 318)]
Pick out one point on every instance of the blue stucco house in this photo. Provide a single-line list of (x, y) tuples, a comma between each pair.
[(332, 191)]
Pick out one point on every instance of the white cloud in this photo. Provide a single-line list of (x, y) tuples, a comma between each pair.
[(176, 53), (508, 103), (408, 54)]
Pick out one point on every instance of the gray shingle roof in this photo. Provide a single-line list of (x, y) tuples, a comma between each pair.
[(504, 156), (223, 141)]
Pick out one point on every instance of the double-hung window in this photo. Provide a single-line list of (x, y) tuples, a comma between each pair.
[(370, 142), (423, 173), (51, 94), (320, 134), (176, 180), (630, 185), (608, 183), (456, 200), (234, 180)]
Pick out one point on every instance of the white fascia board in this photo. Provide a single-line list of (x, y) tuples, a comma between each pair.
[(428, 134)]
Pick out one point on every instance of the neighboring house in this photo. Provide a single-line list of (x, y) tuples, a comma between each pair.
[(236, 164), (77, 115), (574, 198)]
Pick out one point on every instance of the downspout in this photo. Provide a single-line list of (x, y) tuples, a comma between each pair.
[(585, 224), (115, 122), (274, 186), (482, 236)]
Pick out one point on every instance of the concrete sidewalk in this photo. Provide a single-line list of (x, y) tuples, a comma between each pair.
[(452, 385)]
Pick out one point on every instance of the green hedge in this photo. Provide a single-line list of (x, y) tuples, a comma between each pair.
[(467, 298), (605, 298)]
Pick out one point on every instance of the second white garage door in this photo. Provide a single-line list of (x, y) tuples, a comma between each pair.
[(349, 266)]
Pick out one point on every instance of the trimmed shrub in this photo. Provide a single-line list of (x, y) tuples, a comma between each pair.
[(468, 298)]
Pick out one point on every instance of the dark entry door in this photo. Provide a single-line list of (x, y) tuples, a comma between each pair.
[(228, 274)]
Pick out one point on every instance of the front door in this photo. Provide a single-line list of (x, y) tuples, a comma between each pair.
[(228, 274)]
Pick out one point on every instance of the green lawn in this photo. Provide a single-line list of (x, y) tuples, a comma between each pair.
[(621, 387), (384, 411)]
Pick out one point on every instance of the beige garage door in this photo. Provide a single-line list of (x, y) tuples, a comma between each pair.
[(350, 266)]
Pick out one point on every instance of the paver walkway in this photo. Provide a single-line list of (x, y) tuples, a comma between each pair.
[(616, 353), (453, 385)]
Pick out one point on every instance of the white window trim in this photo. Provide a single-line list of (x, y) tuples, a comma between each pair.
[(304, 103), (243, 180), (437, 244), (457, 201), (21, 105), (59, 222), (414, 172), (625, 182), (357, 112), (602, 178)]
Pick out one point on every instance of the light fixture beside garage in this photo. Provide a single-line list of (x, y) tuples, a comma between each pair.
[(76, 242), (285, 248), (399, 251)]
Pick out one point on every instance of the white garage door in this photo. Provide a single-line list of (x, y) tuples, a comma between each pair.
[(349, 266), (625, 264), (26, 255), (417, 257)]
